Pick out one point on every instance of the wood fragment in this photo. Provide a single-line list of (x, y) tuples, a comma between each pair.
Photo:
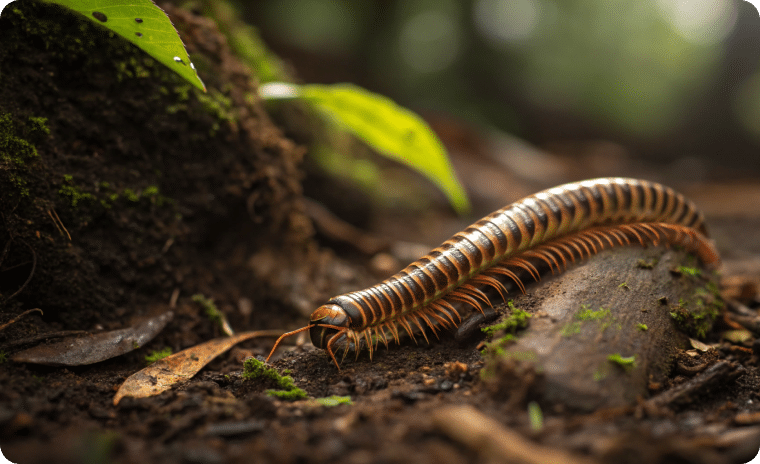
[(719, 373), (594, 342), (493, 441)]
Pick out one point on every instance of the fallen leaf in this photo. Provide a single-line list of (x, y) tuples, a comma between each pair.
[(94, 348), (164, 373)]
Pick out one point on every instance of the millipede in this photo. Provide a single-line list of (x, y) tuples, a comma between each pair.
[(553, 228)]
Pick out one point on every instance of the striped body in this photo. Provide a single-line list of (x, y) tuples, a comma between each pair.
[(556, 226)]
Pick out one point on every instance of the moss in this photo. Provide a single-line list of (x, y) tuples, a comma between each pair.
[(570, 329), (518, 319), (689, 271), (586, 314), (255, 369), (627, 363), (130, 195), (696, 315), (331, 401), (217, 105), (642, 327), (288, 395), (71, 192), (212, 312), (155, 355), (17, 151), (644, 264), (536, 416)]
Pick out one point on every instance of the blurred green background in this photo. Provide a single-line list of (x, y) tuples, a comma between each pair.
[(667, 79)]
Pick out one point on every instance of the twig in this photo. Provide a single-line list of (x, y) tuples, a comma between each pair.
[(31, 273), (4, 326), (56, 221)]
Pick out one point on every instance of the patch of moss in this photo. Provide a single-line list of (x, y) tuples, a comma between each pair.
[(536, 416), (331, 401), (644, 264), (642, 327), (212, 312), (150, 193), (72, 192), (697, 315), (288, 395), (627, 363), (255, 369), (155, 355), (586, 314), (518, 319), (17, 151), (570, 329), (130, 195), (689, 271), (217, 105)]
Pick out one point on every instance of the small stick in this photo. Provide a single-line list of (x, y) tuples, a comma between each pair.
[(4, 326)]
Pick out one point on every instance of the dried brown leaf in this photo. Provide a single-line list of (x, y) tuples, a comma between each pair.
[(94, 348), (164, 373)]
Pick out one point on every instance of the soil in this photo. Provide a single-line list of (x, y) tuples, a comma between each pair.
[(141, 192)]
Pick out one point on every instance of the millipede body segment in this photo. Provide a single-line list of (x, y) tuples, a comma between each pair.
[(553, 228)]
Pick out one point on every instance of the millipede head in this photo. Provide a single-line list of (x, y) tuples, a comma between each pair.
[(327, 324)]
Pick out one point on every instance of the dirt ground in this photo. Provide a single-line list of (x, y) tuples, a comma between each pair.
[(141, 193)]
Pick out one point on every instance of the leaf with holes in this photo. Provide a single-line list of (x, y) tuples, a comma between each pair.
[(145, 25), (390, 129)]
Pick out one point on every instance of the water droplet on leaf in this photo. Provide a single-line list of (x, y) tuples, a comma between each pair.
[(192, 66), (178, 60), (138, 20), (99, 16)]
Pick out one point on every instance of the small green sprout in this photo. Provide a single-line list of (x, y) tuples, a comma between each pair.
[(155, 355), (3, 357), (624, 285), (642, 327)]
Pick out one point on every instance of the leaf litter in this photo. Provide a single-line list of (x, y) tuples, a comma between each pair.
[(93, 348), (165, 373)]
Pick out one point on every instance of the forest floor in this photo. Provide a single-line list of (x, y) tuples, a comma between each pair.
[(422, 403)]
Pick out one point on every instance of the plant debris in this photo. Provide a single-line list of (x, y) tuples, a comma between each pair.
[(165, 373), (94, 348)]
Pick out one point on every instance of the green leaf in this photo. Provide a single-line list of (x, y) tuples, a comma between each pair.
[(145, 25), (388, 128)]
